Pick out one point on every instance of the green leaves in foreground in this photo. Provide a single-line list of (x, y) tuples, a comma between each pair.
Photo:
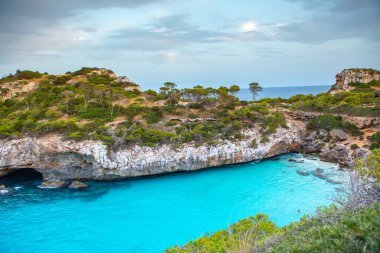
[(331, 230)]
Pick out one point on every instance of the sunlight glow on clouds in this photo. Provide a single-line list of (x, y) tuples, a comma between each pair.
[(248, 27)]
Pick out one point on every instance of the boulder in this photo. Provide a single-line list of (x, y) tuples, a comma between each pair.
[(303, 173), (319, 173), (52, 184), (77, 185), (338, 135), (362, 153), (314, 142), (332, 181), (338, 153)]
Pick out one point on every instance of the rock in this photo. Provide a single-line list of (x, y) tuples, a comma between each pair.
[(319, 174), (313, 143), (322, 134), (338, 135), (332, 181), (4, 172), (338, 153), (56, 158), (319, 170), (347, 76), (52, 184), (2, 186), (77, 185), (295, 160), (303, 173), (362, 153)]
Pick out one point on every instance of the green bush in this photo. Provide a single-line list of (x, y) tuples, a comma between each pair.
[(375, 141), (331, 230), (154, 115), (27, 74), (329, 122)]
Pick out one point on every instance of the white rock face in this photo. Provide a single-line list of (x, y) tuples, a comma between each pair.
[(347, 76), (57, 159)]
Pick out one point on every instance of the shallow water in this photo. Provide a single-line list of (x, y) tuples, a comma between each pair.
[(150, 214)]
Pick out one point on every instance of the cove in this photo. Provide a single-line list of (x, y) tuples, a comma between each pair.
[(154, 213)]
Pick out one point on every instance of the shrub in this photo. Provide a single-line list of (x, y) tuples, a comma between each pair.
[(27, 74), (264, 139), (375, 140), (354, 146), (254, 144), (154, 115), (329, 122)]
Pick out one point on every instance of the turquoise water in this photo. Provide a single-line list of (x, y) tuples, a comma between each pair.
[(150, 214)]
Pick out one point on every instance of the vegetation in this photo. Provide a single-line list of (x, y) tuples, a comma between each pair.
[(354, 227), (375, 140), (363, 100), (255, 88), (329, 122), (331, 230), (91, 103)]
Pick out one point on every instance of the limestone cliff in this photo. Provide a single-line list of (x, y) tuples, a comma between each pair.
[(347, 76), (58, 159)]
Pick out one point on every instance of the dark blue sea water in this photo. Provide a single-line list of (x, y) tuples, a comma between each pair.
[(283, 92), (150, 214)]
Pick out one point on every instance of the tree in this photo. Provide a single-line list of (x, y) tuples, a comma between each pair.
[(170, 92), (255, 88), (66, 95), (234, 89)]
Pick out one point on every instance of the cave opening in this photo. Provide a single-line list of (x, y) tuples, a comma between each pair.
[(21, 176)]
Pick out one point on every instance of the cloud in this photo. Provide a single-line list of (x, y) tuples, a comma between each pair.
[(26, 16), (334, 19), (248, 27)]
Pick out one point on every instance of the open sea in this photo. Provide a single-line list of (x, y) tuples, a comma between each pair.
[(152, 213)]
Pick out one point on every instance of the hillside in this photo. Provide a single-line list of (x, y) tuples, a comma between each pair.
[(92, 124)]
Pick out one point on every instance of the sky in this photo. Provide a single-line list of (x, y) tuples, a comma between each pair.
[(193, 42)]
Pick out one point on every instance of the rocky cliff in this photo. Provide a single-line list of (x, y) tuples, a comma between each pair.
[(347, 76), (58, 159)]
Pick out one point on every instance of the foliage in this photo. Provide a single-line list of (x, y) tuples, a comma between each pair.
[(362, 101), (252, 228), (27, 74), (329, 122), (375, 141), (255, 88), (370, 167), (331, 230)]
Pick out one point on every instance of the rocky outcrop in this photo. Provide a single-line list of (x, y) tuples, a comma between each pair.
[(361, 153), (52, 184), (347, 76), (77, 185), (314, 142), (58, 159), (338, 153), (338, 135)]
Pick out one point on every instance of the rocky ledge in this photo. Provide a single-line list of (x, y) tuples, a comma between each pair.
[(56, 159)]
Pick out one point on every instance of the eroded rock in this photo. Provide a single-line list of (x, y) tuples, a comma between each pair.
[(338, 135), (52, 184), (77, 185), (338, 153)]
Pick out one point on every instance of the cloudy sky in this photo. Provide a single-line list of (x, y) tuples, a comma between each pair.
[(190, 42)]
